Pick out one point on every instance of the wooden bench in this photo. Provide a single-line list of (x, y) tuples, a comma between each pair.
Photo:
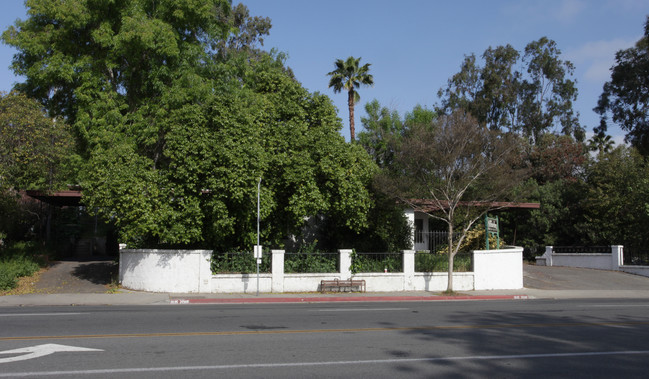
[(339, 285)]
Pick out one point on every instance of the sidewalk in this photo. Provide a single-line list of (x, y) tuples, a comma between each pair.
[(146, 298)]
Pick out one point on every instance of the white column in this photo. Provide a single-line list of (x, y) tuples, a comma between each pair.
[(410, 215), (408, 270), (277, 270), (617, 257), (345, 263)]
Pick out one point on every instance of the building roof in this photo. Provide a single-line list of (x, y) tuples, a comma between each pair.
[(59, 198), (427, 205)]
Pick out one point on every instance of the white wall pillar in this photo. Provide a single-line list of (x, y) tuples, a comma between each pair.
[(277, 270), (408, 270), (345, 262), (617, 257), (548, 255), (410, 216)]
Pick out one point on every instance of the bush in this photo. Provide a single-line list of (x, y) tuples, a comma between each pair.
[(310, 260), (432, 262), (376, 262), (241, 262), (20, 259)]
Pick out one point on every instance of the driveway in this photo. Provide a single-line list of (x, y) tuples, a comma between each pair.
[(73, 276), (572, 278)]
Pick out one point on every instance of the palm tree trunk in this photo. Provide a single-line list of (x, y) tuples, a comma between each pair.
[(350, 103)]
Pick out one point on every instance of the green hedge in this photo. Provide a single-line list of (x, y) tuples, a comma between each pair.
[(431, 262)]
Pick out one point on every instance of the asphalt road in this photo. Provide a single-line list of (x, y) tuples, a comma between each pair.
[(531, 338)]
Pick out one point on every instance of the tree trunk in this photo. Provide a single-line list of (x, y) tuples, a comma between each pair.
[(449, 287), (350, 103)]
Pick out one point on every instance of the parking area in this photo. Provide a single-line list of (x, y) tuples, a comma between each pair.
[(572, 278)]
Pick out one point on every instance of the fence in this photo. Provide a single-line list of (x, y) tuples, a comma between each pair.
[(317, 262), (435, 240), (433, 262), (363, 262), (188, 271), (581, 249), (636, 257)]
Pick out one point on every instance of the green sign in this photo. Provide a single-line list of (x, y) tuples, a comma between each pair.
[(492, 229)]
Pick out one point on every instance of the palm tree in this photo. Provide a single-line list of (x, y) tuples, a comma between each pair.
[(349, 76)]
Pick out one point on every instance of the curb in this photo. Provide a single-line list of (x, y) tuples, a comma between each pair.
[(345, 299)]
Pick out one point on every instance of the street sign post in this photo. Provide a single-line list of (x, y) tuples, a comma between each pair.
[(492, 228)]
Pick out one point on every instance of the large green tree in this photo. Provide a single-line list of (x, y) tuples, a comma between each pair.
[(626, 95), (34, 148), (348, 76), (531, 101), (179, 114)]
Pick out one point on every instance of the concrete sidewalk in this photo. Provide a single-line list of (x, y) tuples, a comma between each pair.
[(145, 298)]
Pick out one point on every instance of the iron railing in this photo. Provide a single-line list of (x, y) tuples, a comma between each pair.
[(240, 262), (377, 262), (316, 262), (636, 256), (581, 249), (432, 262)]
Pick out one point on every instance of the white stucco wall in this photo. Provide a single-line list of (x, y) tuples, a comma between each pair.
[(174, 271), (438, 281), (498, 269), (595, 261), (241, 283)]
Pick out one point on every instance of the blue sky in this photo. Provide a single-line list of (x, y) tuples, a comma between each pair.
[(414, 46)]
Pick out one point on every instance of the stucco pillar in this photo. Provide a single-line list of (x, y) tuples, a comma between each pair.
[(345, 263), (617, 257), (408, 270), (277, 270), (410, 216)]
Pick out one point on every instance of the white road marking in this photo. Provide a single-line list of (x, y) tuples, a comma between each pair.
[(359, 309), (40, 351), (615, 305), (41, 314), (307, 364)]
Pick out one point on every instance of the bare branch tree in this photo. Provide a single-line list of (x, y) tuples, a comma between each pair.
[(463, 170)]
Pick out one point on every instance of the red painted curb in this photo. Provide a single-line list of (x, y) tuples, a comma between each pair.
[(343, 299)]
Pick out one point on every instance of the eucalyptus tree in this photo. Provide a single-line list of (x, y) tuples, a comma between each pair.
[(626, 95), (531, 102), (349, 75)]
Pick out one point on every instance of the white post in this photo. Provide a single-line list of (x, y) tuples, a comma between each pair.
[(548, 255), (345, 262), (277, 283), (617, 257), (408, 270), (410, 215)]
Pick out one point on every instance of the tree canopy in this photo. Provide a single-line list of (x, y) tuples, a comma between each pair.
[(349, 75), (531, 102), (626, 95), (178, 114)]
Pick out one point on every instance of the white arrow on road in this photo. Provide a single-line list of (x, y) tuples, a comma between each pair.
[(40, 351)]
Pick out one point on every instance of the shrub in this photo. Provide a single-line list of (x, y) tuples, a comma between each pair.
[(241, 262), (20, 259)]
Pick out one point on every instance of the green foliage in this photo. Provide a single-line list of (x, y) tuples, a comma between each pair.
[(241, 262), (376, 262), (626, 95), (530, 93), (20, 259), (349, 75), (178, 114), (309, 260), (435, 262), (33, 147)]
